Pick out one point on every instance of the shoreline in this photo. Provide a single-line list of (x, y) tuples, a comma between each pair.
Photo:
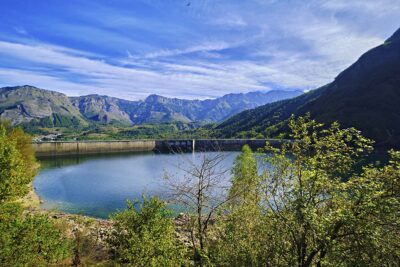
[(97, 228), (31, 200)]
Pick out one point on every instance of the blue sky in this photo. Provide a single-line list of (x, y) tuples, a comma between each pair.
[(186, 48)]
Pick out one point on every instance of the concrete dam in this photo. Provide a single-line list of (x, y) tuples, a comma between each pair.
[(59, 148)]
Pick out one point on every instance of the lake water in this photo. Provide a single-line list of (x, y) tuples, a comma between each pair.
[(99, 185)]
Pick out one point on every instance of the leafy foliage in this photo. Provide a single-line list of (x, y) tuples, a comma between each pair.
[(23, 142), (146, 237), (29, 240), (316, 208), (241, 242), (32, 240), (16, 169)]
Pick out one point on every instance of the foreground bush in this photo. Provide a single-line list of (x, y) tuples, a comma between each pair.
[(28, 240), (146, 237), (25, 240)]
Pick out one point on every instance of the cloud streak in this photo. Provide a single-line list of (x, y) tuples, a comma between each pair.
[(205, 51)]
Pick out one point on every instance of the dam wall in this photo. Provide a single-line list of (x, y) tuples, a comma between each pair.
[(212, 144), (58, 148), (91, 147)]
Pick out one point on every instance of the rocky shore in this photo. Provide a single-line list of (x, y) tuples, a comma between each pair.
[(95, 229)]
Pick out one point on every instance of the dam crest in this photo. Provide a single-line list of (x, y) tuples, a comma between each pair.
[(61, 148)]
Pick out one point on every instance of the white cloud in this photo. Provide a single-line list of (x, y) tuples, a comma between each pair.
[(117, 80), (376, 7), (46, 81), (269, 43), (335, 45), (229, 21), (205, 47)]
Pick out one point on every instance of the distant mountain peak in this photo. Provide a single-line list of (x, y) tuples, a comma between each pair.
[(155, 98), (28, 86)]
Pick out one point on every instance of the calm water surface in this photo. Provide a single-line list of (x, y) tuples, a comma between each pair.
[(99, 185)]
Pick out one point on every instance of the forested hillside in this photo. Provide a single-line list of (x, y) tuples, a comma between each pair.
[(366, 96)]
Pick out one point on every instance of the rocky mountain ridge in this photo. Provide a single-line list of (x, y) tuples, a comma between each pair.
[(28, 104)]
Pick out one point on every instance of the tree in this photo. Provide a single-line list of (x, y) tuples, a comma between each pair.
[(321, 210), (307, 201), (25, 239), (146, 237), (201, 191), (375, 211), (240, 239), (16, 169), (24, 145), (318, 205), (245, 188)]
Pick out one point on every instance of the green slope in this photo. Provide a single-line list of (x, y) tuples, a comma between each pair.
[(366, 95), (31, 105)]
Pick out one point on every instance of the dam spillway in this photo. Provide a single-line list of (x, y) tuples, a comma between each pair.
[(62, 148)]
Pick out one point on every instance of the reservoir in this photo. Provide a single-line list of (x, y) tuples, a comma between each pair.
[(98, 185)]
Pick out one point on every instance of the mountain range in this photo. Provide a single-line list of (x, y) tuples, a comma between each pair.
[(44, 108), (366, 96)]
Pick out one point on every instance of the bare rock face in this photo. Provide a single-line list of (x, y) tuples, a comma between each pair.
[(102, 109), (159, 109), (15, 115), (24, 103)]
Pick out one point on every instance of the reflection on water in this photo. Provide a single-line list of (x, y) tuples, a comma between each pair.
[(99, 185)]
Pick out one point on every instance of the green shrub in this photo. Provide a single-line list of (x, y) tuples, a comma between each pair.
[(29, 240), (146, 237), (15, 168)]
